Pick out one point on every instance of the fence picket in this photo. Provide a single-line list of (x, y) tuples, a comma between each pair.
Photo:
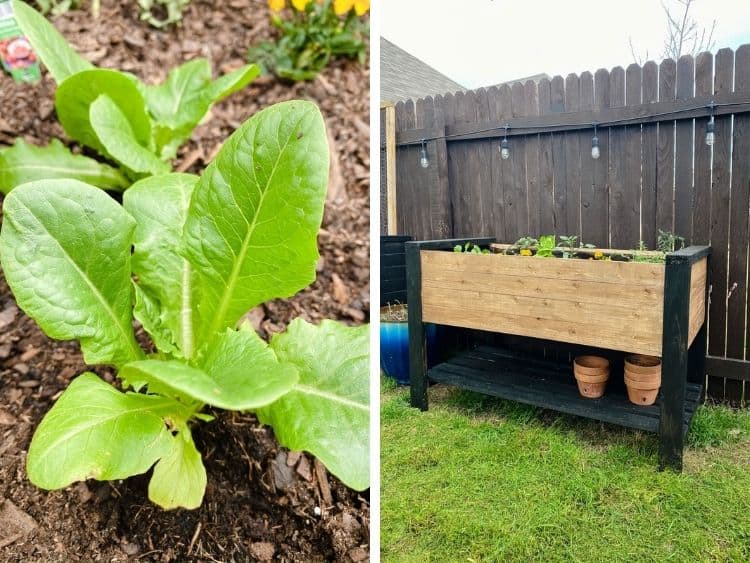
[(683, 182), (617, 158), (648, 158), (546, 173), (586, 103), (717, 327), (572, 144), (533, 146), (740, 229)]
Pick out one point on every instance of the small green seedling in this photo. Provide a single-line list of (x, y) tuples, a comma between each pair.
[(667, 241), (546, 246), (470, 248), (135, 127), (525, 243), (188, 257)]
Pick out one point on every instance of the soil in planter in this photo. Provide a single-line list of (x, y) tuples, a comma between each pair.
[(261, 499)]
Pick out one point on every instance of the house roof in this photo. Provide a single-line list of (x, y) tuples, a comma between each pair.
[(403, 76)]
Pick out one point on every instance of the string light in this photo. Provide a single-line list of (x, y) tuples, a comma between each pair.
[(595, 151), (504, 149), (710, 135), (595, 145), (424, 162)]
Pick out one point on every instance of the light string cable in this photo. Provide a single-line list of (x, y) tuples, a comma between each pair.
[(624, 120)]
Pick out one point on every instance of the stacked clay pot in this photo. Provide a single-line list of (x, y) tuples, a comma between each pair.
[(642, 379), (592, 374)]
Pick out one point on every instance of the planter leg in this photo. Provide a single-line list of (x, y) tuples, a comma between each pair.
[(418, 367), (674, 361), (671, 436), (417, 344)]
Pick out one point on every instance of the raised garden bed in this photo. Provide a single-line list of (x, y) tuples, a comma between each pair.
[(645, 308)]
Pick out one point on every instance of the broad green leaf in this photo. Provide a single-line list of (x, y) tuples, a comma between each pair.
[(115, 134), (255, 213), (232, 82), (236, 389), (241, 359), (65, 250), (168, 101), (96, 431), (76, 93), (327, 413), (185, 97), (51, 47), (24, 162), (166, 300), (179, 478)]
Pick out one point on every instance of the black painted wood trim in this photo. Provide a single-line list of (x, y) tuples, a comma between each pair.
[(674, 358), (690, 254), (417, 345), (448, 244)]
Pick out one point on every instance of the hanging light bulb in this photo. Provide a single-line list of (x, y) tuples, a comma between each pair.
[(504, 149), (424, 162), (595, 145), (710, 135)]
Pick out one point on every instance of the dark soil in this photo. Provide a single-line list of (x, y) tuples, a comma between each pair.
[(262, 502)]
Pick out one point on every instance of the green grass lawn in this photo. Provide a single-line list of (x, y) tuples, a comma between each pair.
[(481, 479)]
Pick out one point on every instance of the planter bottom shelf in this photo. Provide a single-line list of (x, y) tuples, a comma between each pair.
[(551, 385)]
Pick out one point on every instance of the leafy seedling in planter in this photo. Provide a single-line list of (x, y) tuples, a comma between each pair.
[(137, 127), (546, 246), (669, 242), (470, 248), (568, 244), (525, 245), (187, 257)]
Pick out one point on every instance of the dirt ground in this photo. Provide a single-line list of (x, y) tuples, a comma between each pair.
[(262, 502)]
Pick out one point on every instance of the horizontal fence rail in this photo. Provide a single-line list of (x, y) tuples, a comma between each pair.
[(655, 172)]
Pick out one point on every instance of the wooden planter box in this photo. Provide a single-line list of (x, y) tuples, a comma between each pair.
[(654, 309), (615, 305)]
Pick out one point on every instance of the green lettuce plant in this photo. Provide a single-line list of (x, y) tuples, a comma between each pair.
[(187, 257), (135, 126)]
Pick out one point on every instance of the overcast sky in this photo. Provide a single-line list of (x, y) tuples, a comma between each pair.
[(485, 42)]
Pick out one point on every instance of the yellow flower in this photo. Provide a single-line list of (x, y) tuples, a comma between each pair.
[(598, 255), (341, 7), (299, 5), (276, 5), (361, 7), (525, 252)]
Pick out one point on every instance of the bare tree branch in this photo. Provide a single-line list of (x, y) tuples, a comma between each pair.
[(683, 35)]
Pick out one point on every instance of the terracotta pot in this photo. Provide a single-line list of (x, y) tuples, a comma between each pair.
[(642, 396), (592, 374), (591, 365), (644, 365), (654, 379), (636, 384), (592, 378)]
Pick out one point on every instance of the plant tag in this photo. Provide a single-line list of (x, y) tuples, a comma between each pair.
[(16, 54)]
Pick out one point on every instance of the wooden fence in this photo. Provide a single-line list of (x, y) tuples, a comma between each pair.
[(655, 172)]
